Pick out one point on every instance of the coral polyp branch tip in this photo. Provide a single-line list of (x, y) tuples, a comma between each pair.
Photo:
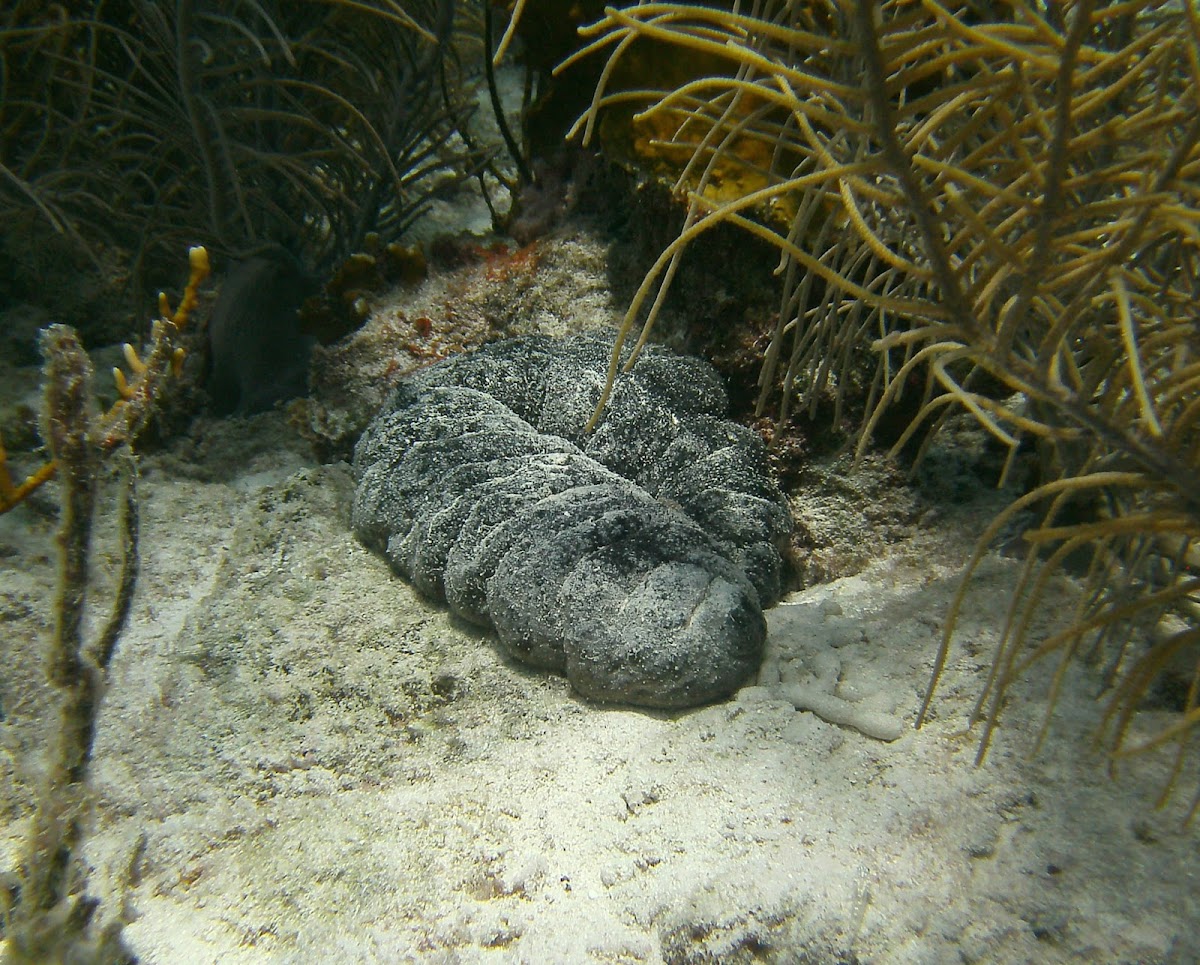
[(137, 394)]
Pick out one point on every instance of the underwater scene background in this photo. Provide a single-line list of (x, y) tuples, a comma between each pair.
[(659, 483)]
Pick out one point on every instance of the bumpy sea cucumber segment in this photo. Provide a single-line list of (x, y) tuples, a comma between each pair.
[(636, 560)]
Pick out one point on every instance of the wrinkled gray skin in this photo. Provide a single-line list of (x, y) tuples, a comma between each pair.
[(636, 561)]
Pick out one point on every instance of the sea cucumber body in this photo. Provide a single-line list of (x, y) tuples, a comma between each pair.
[(636, 560)]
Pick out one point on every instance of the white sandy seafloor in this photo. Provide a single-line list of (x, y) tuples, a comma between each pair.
[(300, 760), (326, 768)]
